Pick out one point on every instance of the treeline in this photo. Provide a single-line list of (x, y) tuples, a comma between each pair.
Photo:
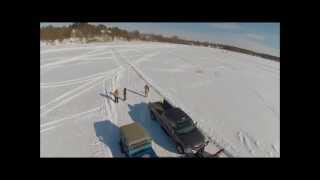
[(90, 33), (84, 30), (246, 51)]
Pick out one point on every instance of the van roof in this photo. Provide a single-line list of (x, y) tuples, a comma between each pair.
[(134, 133)]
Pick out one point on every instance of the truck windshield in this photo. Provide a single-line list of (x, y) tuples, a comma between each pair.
[(133, 149), (185, 127)]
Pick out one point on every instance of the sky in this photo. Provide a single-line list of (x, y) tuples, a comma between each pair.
[(260, 37)]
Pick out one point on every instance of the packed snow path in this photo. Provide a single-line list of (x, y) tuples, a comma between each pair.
[(234, 97)]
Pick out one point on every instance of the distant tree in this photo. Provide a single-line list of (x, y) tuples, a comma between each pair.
[(75, 25), (101, 27), (136, 34)]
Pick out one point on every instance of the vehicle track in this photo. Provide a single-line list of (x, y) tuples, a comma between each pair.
[(64, 101), (76, 81), (75, 58), (57, 121)]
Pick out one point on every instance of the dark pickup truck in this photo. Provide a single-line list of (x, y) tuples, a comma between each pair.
[(180, 127)]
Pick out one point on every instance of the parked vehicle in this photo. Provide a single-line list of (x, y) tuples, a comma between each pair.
[(188, 138), (135, 141), (205, 154)]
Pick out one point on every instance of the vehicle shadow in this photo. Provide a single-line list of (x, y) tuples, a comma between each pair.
[(109, 134), (140, 113)]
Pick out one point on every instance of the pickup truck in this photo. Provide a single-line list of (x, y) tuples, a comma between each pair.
[(188, 138)]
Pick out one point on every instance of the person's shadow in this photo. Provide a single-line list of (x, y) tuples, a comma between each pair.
[(136, 92), (109, 133), (140, 113), (107, 96)]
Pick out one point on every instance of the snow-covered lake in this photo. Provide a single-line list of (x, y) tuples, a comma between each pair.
[(235, 98)]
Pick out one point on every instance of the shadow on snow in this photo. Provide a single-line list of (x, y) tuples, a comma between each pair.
[(107, 96), (109, 134), (140, 113), (136, 92)]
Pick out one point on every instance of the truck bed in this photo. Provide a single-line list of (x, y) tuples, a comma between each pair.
[(161, 106), (157, 106)]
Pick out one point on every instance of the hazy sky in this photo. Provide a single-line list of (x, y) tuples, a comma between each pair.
[(261, 37)]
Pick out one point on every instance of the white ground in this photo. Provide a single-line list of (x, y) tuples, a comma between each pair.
[(235, 98)]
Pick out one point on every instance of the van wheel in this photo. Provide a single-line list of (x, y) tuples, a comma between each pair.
[(179, 149)]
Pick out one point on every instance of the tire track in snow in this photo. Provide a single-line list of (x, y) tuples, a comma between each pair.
[(66, 84), (66, 49), (50, 59), (255, 147), (47, 129), (69, 117), (147, 80), (253, 63), (75, 81), (93, 78), (270, 107), (93, 56), (246, 140), (70, 59), (71, 97), (69, 93)]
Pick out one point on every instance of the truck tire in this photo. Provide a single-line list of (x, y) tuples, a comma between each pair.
[(179, 149)]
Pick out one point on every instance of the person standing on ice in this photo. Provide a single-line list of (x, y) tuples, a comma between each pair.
[(146, 90), (116, 96)]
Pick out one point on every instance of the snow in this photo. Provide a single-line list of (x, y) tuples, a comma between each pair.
[(234, 97)]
